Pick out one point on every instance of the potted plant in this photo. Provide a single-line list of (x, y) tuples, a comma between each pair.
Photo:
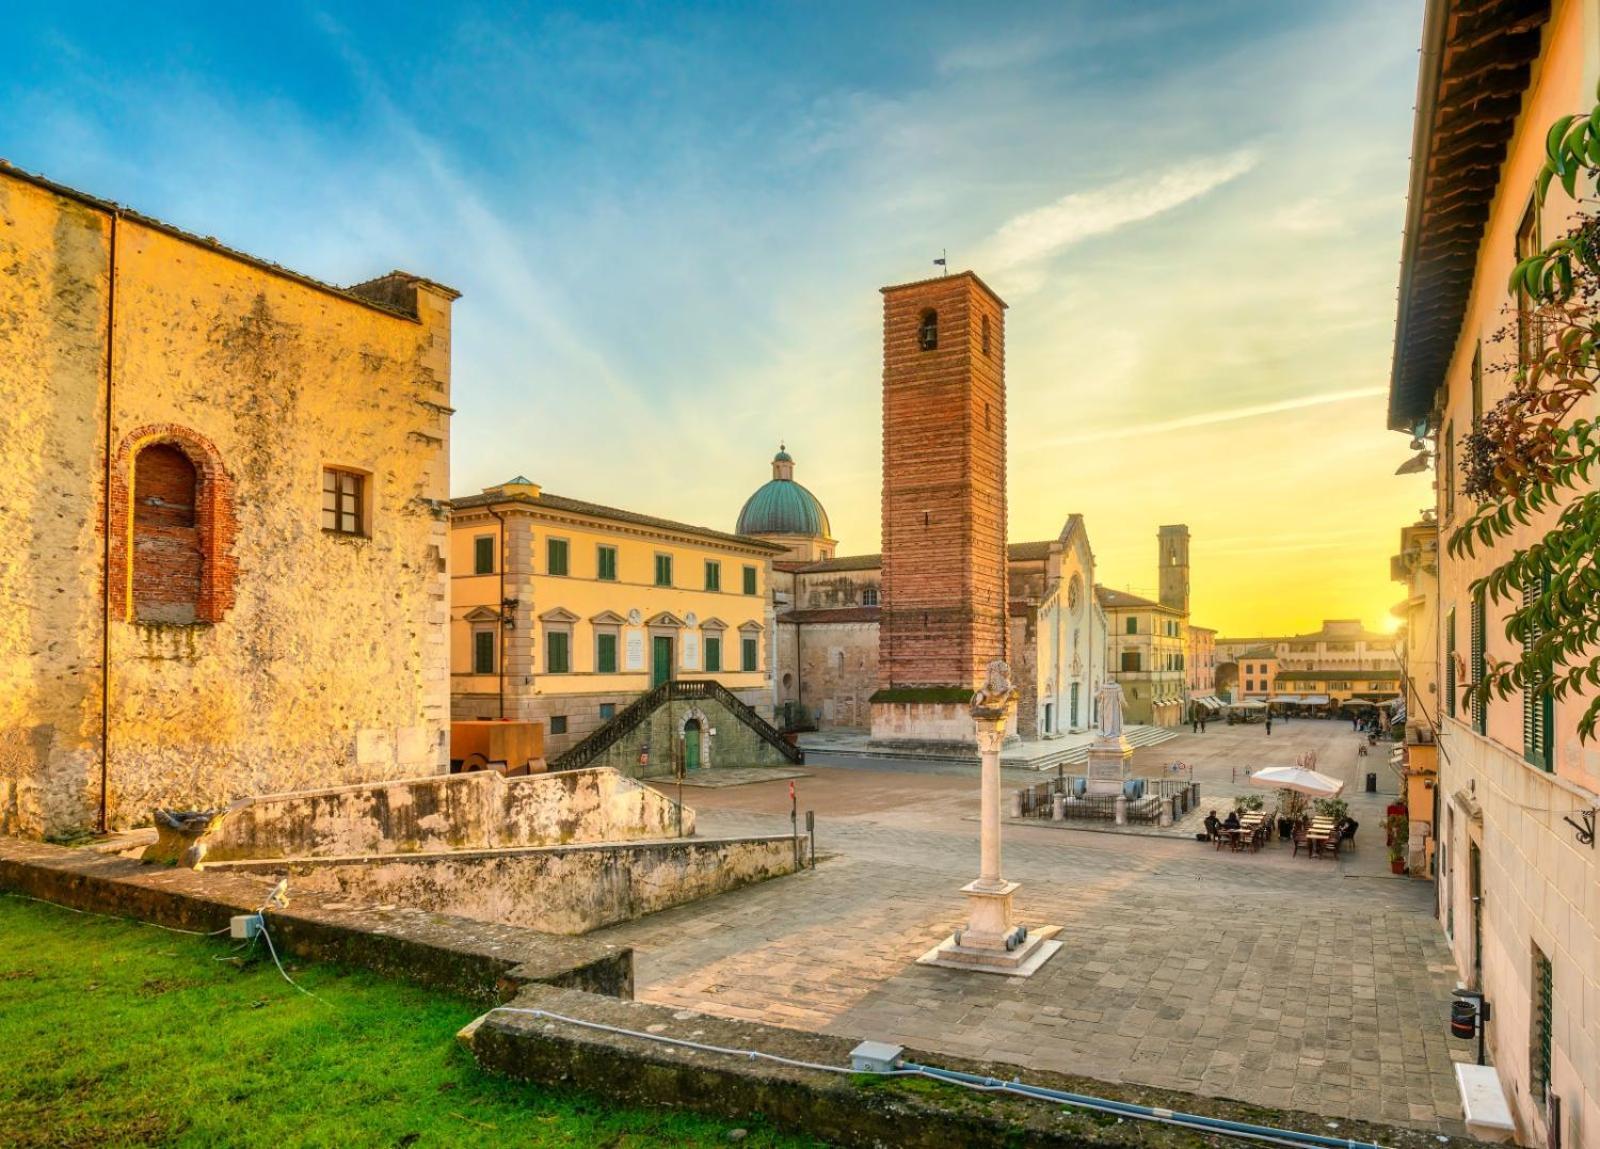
[(1335, 809), (1291, 809), (1248, 802), (1399, 828)]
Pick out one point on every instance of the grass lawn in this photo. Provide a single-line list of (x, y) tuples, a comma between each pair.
[(115, 1033)]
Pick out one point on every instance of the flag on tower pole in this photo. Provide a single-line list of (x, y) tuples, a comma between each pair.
[(943, 261)]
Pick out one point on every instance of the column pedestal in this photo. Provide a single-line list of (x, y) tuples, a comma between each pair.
[(991, 941)]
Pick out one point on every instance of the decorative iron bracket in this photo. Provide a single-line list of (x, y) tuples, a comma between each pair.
[(1586, 829)]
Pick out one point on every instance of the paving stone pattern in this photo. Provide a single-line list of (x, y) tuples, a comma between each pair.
[(1320, 985)]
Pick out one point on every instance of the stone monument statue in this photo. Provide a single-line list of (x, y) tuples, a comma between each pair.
[(991, 941), (1110, 698)]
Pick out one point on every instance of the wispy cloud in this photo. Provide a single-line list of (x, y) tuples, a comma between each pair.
[(1206, 418), (1083, 215)]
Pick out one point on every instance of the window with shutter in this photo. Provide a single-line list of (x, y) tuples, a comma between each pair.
[(1537, 706), (1480, 707), (1450, 662), (1543, 1023)]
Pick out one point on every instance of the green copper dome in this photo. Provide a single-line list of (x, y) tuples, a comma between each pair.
[(783, 506)]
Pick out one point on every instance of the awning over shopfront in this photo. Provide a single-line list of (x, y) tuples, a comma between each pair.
[(1314, 700)]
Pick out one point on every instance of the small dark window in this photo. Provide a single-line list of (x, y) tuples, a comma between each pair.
[(986, 335), (557, 652), (713, 654), (483, 652), (749, 580), (483, 555), (663, 570), (558, 724), (1133, 625), (343, 501), (606, 563), (928, 330), (1130, 660), (751, 650), (555, 556), (713, 575), (869, 596), (605, 652), (986, 425), (608, 711)]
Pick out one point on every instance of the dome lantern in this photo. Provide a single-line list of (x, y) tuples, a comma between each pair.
[(783, 506)]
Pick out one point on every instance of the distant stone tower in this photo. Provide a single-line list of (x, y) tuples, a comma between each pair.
[(943, 617), (1173, 547)]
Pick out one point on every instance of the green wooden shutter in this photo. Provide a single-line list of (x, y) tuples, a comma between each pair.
[(1538, 707), (606, 563), (713, 654), (752, 654), (1480, 704), (1543, 1023), (555, 556), (483, 652), (483, 556), (605, 653), (556, 660), (1450, 662), (749, 580), (713, 575)]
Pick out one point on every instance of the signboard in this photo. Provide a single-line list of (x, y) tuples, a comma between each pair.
[(633, 650), (691, 650)]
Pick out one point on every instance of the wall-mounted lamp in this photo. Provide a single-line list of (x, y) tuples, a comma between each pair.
[(1585, 830)]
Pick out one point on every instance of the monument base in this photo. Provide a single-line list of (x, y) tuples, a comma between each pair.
[(1106, 768), (988, 943)]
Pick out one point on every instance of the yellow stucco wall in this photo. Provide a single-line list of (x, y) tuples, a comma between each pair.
[(331, 664)]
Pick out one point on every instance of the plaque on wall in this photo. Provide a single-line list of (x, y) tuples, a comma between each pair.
[(633, 645), (691, 650)]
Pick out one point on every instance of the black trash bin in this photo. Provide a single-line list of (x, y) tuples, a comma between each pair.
[(1372, 783)]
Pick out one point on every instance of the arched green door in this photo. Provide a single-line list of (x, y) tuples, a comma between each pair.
[(691, 744)]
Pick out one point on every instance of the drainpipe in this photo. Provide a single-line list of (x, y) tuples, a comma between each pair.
[(500, 639), (105, 590)]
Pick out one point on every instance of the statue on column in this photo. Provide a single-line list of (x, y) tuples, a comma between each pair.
[(1110, 698)]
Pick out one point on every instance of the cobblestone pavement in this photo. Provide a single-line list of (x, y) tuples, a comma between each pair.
[(1320, 985)]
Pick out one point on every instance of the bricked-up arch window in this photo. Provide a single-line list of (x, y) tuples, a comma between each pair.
[(985, 335), (172, 506), (928, 330), (168, 556)]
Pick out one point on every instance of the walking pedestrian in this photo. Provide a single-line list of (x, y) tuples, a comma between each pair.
[(1269, 726)]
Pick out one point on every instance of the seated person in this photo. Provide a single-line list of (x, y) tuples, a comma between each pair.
[(1346, 827), (1232, 821), (1213, 825)]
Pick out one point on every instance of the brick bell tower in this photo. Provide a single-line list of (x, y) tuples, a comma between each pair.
[(943, 617), (1173, 548)]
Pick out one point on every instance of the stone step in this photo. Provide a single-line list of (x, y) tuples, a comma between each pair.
[(1136, 736)]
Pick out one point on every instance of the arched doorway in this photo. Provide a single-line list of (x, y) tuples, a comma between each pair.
[(691, 745)]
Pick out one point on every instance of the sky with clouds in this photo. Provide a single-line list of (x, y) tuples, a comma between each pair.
[(670, 224)]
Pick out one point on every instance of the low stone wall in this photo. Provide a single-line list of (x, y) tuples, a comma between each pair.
[(842, 1109), (558, 890), (478, 811), (485, 961)]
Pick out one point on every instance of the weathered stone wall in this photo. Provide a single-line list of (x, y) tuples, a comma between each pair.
[(315, 657), (476, 811), (838, 668), (829, 590), (733, 744), (557, 889)]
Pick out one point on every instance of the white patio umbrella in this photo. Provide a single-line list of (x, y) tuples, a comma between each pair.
[(1297, 778)]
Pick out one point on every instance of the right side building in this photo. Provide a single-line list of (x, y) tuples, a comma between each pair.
[(1518, 877)]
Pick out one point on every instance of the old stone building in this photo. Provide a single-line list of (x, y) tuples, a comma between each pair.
[(1341, 661), (1150, 641), (222, 532), (1513, 807), (564, 611)]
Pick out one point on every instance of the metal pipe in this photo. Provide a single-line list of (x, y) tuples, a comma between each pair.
[(105, 496)]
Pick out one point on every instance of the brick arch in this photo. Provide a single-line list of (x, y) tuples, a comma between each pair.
[(214, 514)]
